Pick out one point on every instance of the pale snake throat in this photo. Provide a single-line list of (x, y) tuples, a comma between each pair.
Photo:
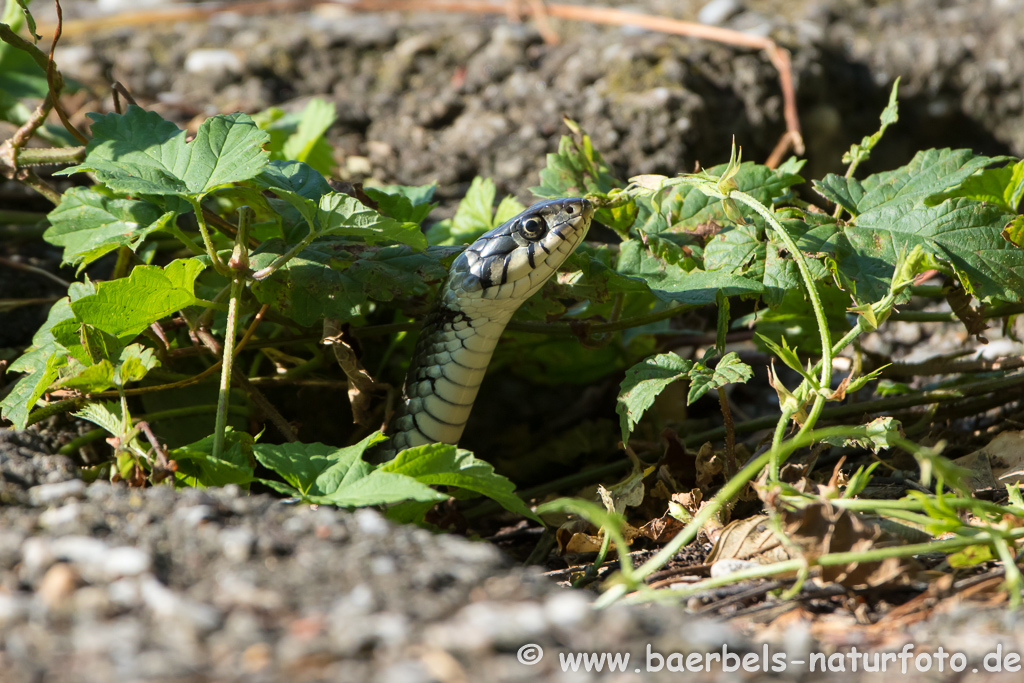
[(485, 286)]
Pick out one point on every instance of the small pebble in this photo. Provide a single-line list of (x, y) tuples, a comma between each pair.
[(45, 494)]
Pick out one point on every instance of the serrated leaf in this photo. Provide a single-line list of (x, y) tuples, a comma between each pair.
[(880, 434), (88, 379), (578, 169), (340, 214), (930, 173), (642, 384), (443, 465), (198, 468), (19, 402), (508, 208), (293, 176), (474, 216), (1003, 187), (730, 370), (141, 153), (307, 143), (106, 415), (85, 343), (300, 464), (126, 307), (404, 203), (89, 224), (135, 362), (846, 192), (333, 278), (349, 481), (962, 233), (669, 282)]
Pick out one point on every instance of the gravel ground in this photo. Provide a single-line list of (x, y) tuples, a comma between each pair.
[(102, 583)]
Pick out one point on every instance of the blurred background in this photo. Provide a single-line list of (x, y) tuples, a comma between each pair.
[(441, 96)]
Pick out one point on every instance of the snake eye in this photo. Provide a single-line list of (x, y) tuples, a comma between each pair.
[(532, 228)]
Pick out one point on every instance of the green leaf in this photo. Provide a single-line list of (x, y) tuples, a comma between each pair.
[(307, 143), (578, 169), (293, 176), (443, 465), (846, 192), (475, 215), (930, 173), (20, 401), (962, 233), (126, 307), (1003, 187), (140, 153), (334, 278), (339, 214), (351, 482), (730, 370), (134, 363), (106, 415), (88, 379), (86, 343), (508, 208), (890, 115), (788, 356), (197, 467), (669, 282), (300, 464), (880, 434), (404, 203), (89, 224), (642, 384)]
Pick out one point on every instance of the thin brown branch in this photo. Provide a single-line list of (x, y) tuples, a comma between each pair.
[(28, 268), (265, 406), (55, 81), (26, 132)]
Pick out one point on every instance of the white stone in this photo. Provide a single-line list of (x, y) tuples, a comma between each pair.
[(45, 494), (213, 60)]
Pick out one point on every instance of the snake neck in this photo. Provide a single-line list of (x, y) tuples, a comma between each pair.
[(452, 353)]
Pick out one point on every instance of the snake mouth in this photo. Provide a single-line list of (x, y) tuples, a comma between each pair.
[(513, 260)]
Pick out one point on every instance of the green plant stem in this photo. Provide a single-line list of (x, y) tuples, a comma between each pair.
[(211, 251), (34, 156), (239, 266), (877, 406), (58, 407), (9, 36), (78, 442), (95, 434), (725, 495), (819, 315), (275, 265), (830, 559), (183, 238)]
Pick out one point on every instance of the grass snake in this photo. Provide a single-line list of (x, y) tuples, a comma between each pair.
[(485, 286)]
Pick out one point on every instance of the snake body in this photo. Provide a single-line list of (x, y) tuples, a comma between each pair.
[(485, 285)]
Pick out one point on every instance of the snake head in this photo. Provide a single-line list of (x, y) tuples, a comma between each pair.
[(515, 259)]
